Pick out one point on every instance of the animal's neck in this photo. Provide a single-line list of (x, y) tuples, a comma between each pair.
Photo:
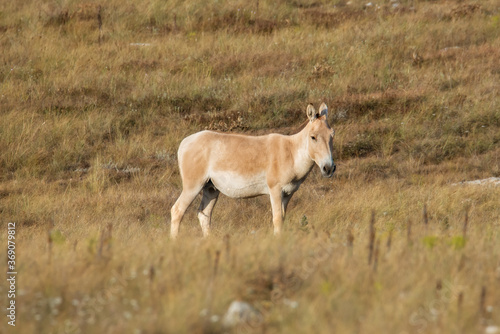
[(302, 161)]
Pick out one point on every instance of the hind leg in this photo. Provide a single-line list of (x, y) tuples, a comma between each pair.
[(210, 195), (179, 208)]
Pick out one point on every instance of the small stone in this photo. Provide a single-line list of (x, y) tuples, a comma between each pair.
[(240, 312), (291, 303), (492, 329)]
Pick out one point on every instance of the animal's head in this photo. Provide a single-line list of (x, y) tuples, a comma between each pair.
[(320, 139)]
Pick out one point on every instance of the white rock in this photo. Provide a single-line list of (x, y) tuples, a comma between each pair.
[(290, 303), (495, 181), (240, 312), (450, 48), (492, 329)]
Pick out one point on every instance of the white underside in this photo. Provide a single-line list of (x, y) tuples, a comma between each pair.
[(235, 185), (291, 187)]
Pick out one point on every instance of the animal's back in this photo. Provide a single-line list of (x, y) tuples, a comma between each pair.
[(224, 151), (236, 164)]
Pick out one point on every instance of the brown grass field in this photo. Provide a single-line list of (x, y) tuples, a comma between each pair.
[(95, 98)]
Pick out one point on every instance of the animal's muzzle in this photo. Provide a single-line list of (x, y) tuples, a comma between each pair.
[(328, 170)]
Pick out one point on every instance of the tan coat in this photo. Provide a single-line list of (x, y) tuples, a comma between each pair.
[(245, 166)]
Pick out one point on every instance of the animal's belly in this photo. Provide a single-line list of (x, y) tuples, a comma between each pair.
[(235, 185)]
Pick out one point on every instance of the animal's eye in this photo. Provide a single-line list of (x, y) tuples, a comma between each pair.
[(313, 138)]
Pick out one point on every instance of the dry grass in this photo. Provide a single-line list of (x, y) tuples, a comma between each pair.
[(91, 122)]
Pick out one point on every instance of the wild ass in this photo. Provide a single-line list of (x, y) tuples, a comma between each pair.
[(241, 166)]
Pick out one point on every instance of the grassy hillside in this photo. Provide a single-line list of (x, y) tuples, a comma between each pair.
[(95, 98)]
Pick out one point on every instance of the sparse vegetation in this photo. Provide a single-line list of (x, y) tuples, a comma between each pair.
[(95, 98)]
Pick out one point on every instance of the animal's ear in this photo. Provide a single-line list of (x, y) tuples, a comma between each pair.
[(323, 110), (311, 113)]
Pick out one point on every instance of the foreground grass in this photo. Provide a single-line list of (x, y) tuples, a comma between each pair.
[(91, 120), (132, 278)]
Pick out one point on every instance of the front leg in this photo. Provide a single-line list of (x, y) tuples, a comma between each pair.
[(278, 209)]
